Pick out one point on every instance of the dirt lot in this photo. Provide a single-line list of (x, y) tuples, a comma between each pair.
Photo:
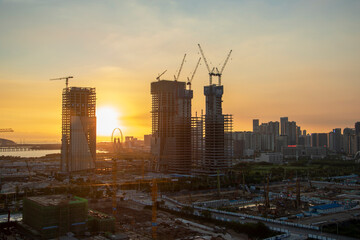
[(135, 221)]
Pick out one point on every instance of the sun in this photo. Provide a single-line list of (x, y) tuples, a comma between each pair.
[(107, 119)]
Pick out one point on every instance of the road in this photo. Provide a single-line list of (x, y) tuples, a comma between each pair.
[(291, 229)]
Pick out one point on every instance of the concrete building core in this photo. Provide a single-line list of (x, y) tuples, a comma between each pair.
[(218, 145), (171, 126), (78, 150)]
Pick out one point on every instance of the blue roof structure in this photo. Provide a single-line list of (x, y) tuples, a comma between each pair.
[(345, 177), (326, 206)]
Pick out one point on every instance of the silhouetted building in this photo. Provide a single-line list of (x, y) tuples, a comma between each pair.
[(292, 133), (357, 136), (335, 140), (284, 125), (314, 140), (322, 140), (280, 142), (218, 145), (171, 126), (349, 141), (357, 128), (78, 150), (301, 140), (255, 125)]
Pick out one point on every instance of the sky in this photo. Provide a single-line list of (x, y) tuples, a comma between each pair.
[(299, 59)]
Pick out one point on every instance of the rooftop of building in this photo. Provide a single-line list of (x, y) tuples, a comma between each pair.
[(326, 206), (56, 200), (80, 89)]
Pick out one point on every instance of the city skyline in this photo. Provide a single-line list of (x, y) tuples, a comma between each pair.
[(292, 59)]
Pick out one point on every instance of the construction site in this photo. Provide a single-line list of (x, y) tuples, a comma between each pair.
[(188, 187)]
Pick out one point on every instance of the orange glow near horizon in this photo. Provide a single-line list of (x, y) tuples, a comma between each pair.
[(107, 119), (298, 59)]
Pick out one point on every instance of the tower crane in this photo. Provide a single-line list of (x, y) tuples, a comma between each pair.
[(158, 77), (6, 130), (63, 78), (214, 71), (223, 67), (176, 78), (192, 76)]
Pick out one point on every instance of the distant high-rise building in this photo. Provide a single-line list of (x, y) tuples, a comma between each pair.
[(304, 132), (302, 140), (322, 140), (357, 136), (308, 140), (255, 125), (338, 140), (284, 125), (291, 133), (147, 140), (281, 142), (331, 141), (357, 128), (78, 150), (349, 141), (171, 126), (314, 140), (298, 133)]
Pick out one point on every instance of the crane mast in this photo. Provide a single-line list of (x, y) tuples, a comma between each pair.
[(192, 76), (211, 73), (214, 71), (223, 67), (176, 78)]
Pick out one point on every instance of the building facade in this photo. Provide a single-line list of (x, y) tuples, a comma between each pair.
[(78, 150), (171, 126), (218, 142)]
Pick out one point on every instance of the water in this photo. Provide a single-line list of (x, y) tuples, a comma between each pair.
[(36, 153)]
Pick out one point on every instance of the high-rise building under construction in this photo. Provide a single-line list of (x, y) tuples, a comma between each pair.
[(171, 126), (78, 150), (218, 147)]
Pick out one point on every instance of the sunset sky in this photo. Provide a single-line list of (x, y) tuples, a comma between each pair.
[(299, 59)]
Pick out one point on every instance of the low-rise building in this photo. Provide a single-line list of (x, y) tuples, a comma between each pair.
[(327, 208)]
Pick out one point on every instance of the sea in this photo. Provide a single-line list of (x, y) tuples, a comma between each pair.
[(35, 153)]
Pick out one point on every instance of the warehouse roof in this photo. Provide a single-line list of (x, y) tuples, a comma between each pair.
[(326, 206)]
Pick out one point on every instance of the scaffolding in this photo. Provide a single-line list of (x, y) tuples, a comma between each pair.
[(197, 143), (78, 129), (171, 126)]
